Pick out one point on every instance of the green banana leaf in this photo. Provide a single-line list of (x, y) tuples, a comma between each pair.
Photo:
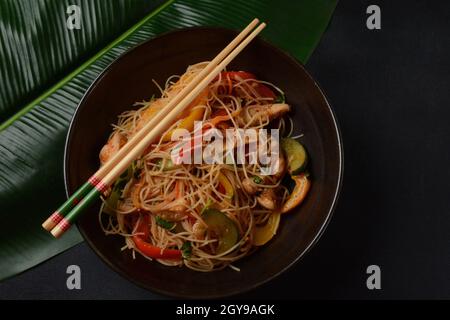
[(37, 47), (32, 140)]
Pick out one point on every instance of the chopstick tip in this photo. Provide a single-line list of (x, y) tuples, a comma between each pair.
[(60, 228), (56, 232), (46, 226), (52, 221)]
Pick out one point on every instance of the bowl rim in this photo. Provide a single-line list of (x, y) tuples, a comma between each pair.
[(240, 290)]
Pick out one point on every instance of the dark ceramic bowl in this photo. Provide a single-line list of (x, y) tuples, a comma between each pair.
[(128, 79)]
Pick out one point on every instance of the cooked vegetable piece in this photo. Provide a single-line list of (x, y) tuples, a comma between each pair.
[(165, 164), (237, 75), (111, 202), (302, 185), (186, 249), (222, 227), (195, 114), (164, 223), (296, 155), (148, 249), (116, 192), (226, 184), (262, 234), (265, 92), (257, 180)]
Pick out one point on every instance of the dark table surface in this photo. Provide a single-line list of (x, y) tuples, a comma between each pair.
[(390, 91)]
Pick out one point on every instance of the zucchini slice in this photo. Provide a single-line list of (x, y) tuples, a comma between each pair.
[(296, 155), (223, 228)]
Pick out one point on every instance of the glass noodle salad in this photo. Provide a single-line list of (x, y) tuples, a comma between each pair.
[(204, 216)]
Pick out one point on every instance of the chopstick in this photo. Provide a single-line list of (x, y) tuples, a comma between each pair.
[(76, 197), (162, 121)]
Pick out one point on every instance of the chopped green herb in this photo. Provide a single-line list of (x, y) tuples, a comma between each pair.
[(124, 175), (111, 202), (136, 170), (122, 181), (186, 249), (257, 180), (164, 223), (116, 191)]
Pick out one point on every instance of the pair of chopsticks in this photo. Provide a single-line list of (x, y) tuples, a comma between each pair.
[(61, 220)]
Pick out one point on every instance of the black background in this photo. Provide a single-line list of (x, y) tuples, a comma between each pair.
[(390, 91)]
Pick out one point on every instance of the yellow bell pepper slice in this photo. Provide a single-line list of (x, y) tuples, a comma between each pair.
[(302, 186), (225, 182), (187, 123), (262, 234), (195, 114)]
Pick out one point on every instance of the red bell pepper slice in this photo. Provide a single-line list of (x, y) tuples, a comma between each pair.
[(148, 249)]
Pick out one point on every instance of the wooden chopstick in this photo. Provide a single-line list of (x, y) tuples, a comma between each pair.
[(102, 184), (58, 215)]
